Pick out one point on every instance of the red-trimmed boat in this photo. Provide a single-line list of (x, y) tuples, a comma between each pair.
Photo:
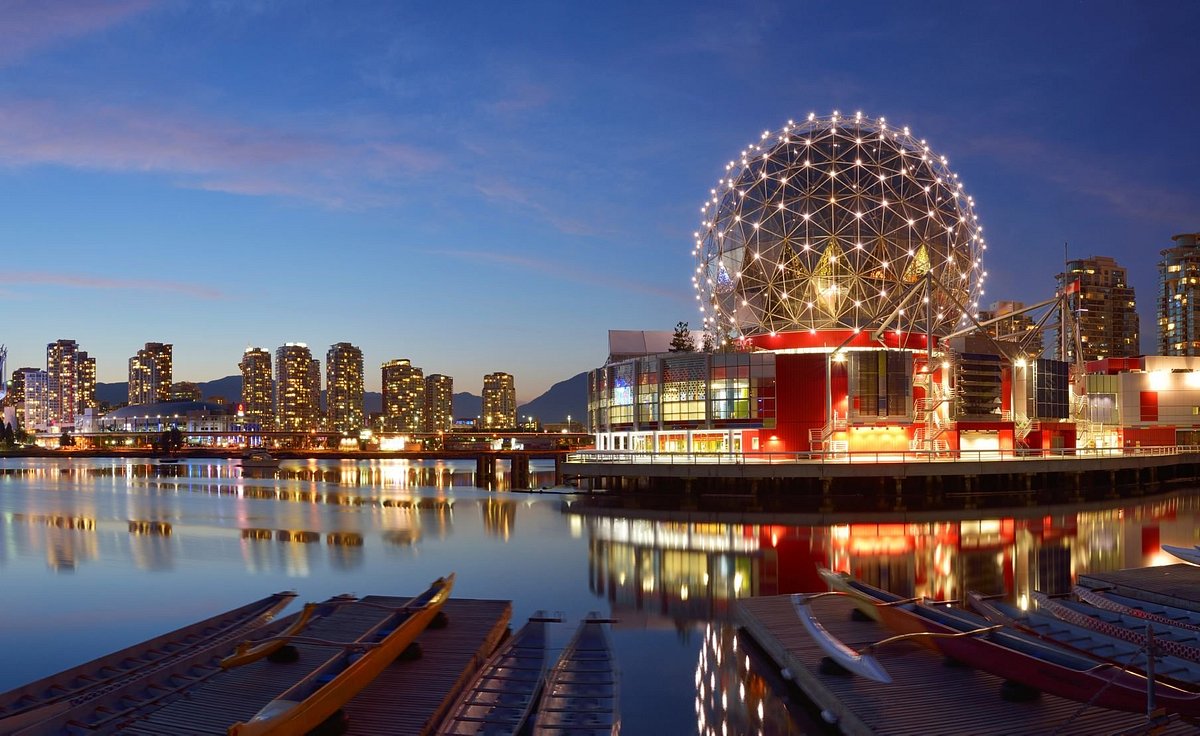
[(1174, 641), (1112, 649), (1017, 656), (1147, 610)]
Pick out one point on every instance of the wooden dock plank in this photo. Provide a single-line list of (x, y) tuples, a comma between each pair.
[(1171, 585), (927, 695), (409, 697)]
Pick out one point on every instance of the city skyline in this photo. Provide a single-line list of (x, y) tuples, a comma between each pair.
[(444, 200)]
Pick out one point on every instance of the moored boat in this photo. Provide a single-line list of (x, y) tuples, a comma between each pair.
[(249, 651), (503, 694), (1170, 639), (1023, 658), (1148, 610), (259, 459), (582, 690), (1086, 641), (125, 670), (308, 703), (845, 656)]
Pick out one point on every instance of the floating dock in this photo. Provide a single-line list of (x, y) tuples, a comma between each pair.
[(1171, 585), (927, 695), (410, 697)]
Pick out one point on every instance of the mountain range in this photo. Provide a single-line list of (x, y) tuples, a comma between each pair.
[(563, 399)]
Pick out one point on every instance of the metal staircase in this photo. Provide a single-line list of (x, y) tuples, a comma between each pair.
[(819, 438), (928, 420)]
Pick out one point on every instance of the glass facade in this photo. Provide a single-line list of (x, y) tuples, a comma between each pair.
[(695, 390), (880, 383)]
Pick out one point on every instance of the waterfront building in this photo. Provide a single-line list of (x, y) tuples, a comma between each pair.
[(1101, 302), (1008, 326), (499, 401), (297, 388), (150, 372), (344, 387), (62, 366), (185, 391), (1178, 290), (1145, 401), (439, 403), (39, 394), (403, 396), (838, 263), (188, 416), (258, 390)]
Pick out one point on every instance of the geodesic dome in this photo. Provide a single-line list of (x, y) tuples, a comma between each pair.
[(830, 224)]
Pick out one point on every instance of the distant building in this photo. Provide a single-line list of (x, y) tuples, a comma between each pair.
[(16, 387), (499, 401), (185, 391), (258, 393), (344, 387), (1178, 289), (1013, 328), (297, 388), (150, 372), (187, 416), (439, 403), (38, 395), (403, 397), (62, 367), (1100, 297), (87, 383)]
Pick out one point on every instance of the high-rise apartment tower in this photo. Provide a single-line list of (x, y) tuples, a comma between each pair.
[(297, 388), (499, 401), (344, 387), (403, 396), (1101, 301), (1178, 289), (150, 374), (258, 393), (439, 402)]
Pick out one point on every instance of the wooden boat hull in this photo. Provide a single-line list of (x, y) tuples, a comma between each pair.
[(28, 705), (860, 664), (503, 694), (582, 691), (1187, 554), (1157, 612), (311, 701), (1025, 659)]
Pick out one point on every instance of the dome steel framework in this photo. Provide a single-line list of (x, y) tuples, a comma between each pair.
[(834, 223)]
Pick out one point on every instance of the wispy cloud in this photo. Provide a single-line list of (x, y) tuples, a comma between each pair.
[(82, 281), (1078, 173), (211, 154), (499, 189), (28, 26), (561, 272)]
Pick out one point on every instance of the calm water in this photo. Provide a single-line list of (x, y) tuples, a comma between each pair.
[(112, 552)]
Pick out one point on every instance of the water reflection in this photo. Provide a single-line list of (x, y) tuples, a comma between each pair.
[(499, 517), (736, 689), (671, 566)]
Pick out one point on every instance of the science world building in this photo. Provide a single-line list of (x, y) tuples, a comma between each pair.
[(839, 274)]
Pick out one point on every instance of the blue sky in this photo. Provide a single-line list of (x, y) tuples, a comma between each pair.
[(492, 186)]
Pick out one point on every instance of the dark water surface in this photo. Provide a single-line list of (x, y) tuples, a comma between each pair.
[(99, 554)]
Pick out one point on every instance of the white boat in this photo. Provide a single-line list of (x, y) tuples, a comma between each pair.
[(860, 664), (260, 459), (1187, 554)]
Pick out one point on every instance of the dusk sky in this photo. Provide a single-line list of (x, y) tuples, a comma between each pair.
[(492, 186)]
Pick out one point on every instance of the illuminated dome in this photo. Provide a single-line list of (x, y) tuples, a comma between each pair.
[(829, 224)]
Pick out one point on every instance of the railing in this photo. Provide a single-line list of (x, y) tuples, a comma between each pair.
[(622, 457)]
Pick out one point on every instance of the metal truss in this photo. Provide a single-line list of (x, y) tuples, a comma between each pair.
[(829, 224)]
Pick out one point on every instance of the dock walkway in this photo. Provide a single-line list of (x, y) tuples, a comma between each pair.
[(1169, 585), (410, 697), (927, 695)]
